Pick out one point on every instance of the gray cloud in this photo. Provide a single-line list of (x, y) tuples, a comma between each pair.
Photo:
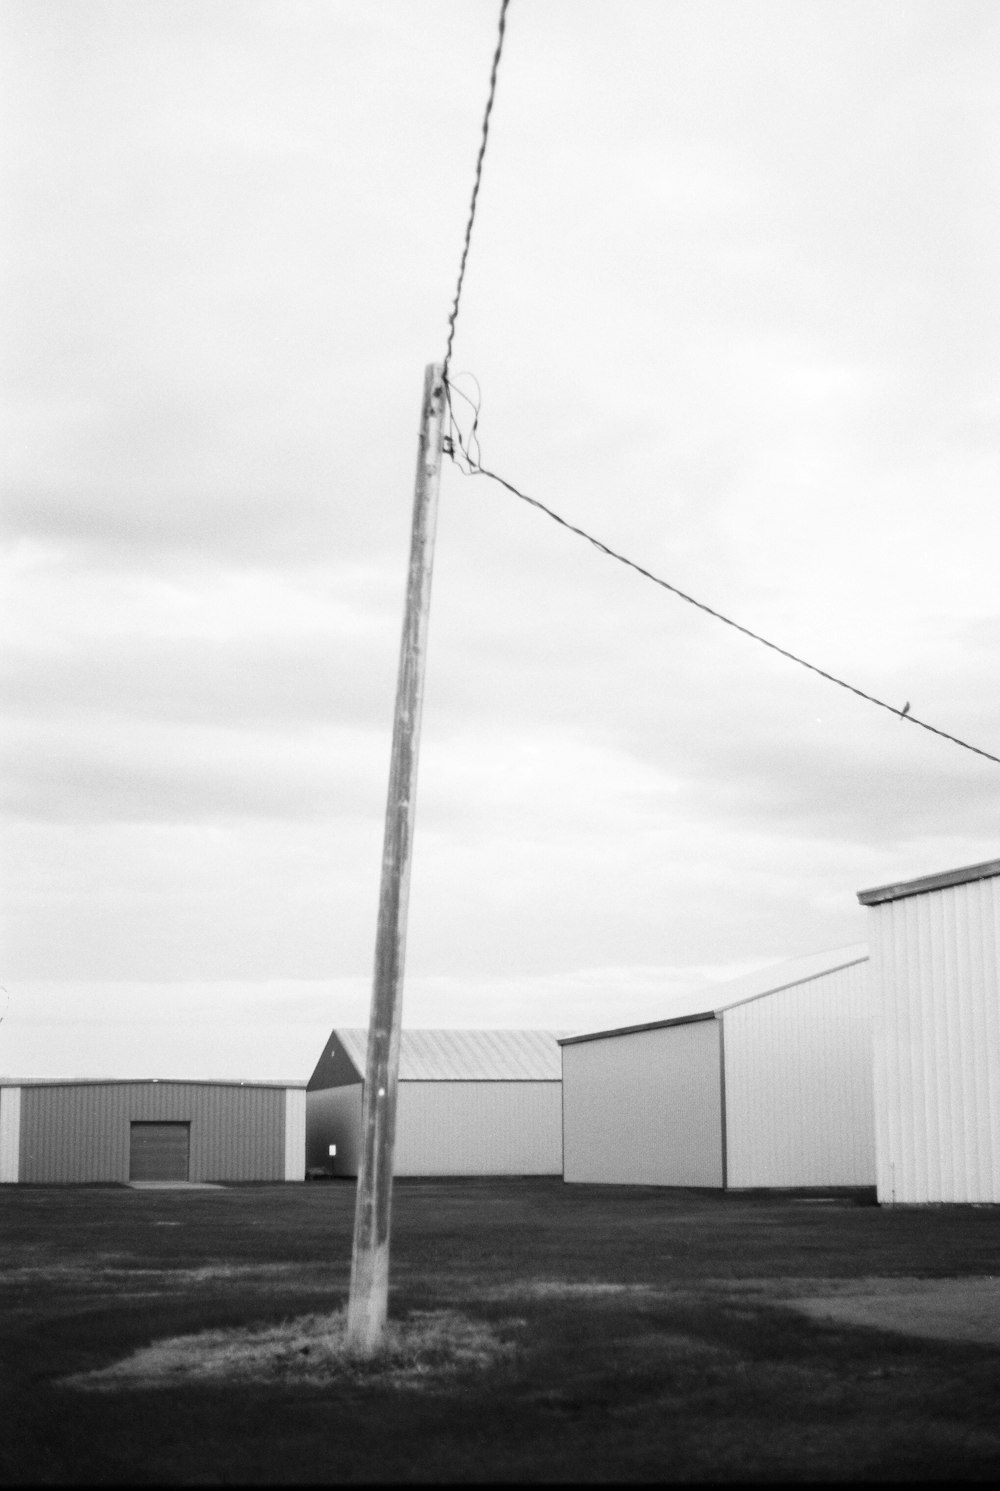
[(196, 776), (732, 304), (239, 683)]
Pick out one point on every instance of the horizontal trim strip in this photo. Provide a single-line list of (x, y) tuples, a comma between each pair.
[(603, 1035), (140, 1081), (926, 883)]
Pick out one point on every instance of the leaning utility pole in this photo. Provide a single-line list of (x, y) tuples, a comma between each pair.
[(368, 1302)]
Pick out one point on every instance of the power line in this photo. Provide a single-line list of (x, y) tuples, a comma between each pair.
[(458, 450), (475, 188), (475, 468)]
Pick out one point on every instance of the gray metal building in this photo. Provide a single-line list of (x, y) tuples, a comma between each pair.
[(770, 1087), (54, 1131), (935, 972), (469, 1102)]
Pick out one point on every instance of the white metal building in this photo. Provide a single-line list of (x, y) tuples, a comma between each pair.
[(770, 1087), (469, 1102), (935, 971)]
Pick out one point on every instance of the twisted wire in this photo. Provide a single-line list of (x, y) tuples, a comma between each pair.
[(453, 317), (459, 451), (475, 468)]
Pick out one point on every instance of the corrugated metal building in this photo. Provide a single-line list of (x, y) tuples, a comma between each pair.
[(770, 1087), (469, 1102), (935, 970), (54, 1131)]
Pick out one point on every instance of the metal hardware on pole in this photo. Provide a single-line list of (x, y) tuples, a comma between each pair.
[(368, 1301)]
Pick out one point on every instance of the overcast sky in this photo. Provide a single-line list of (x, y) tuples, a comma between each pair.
[(732, 303)]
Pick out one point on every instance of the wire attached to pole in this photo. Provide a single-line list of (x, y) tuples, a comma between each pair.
[(476, 468), (458, 449), (453, 318)]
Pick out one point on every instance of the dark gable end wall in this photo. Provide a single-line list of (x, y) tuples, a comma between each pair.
[(334, 1068)]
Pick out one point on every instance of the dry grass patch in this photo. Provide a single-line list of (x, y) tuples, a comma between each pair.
[(124, 1279), (587, 1290), (421, 1350)]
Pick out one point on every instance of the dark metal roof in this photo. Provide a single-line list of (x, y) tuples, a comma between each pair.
[(140, 1081), (926, 883), (603, 1035)]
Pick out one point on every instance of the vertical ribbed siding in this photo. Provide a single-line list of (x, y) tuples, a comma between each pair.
[(478, 1128), (295, 1133), (75, 1133), (10, 1135), (237, 1133), (799, 1085), (644, 1108), (936, 966), (80, 1132)]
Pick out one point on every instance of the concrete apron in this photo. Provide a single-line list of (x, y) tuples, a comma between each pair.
[(942, 1309), (173, 1185)]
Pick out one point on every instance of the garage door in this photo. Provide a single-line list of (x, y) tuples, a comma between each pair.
[(159, 1151)]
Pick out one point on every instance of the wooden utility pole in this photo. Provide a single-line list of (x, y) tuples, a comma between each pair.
[(368, 1302)]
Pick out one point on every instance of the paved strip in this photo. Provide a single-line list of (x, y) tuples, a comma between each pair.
[(173, 1185), (941, 1309)]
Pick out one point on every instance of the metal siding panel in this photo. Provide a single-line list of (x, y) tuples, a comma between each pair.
[(80, 1132), (75, 1133), (645, 1108), (798, 1083), (237, 1133), (936, 964), (479, 1128), (10, 1135), (295, 1133)]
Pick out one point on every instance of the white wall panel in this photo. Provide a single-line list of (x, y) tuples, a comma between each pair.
[(799, 1085), (936, 976), (295, 1133), (478, 1128), (644, 1108), (10, 1134)]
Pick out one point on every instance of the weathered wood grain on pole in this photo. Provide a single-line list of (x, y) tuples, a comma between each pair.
[(368, 1302)]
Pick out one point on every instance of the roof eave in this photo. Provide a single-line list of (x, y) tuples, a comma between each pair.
[(947, 878), (604, 1035)]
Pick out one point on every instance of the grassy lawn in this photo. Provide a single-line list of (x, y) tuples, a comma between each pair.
[(648, 1335)]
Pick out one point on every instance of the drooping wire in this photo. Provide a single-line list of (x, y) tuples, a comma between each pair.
[(453, 317), (459, 448), (474, 467)]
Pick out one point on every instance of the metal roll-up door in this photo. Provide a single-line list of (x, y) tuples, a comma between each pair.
[(159, 1151)]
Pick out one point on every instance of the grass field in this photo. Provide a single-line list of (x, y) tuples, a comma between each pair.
[(640, 1334)]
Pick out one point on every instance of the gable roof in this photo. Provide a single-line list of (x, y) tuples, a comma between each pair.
[(461, 1055), (745, 990)]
